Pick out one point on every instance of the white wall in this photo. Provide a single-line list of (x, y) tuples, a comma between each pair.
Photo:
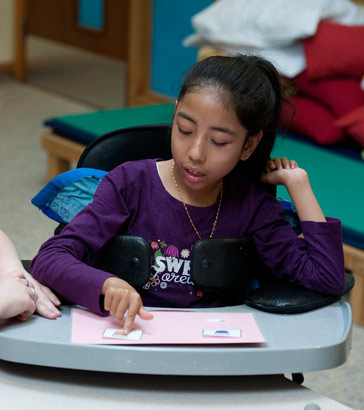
[(6, 30)]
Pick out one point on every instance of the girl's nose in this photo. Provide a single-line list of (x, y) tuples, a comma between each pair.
[(198, 150)]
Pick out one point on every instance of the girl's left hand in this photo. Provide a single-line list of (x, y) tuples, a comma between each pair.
[(281, 171)]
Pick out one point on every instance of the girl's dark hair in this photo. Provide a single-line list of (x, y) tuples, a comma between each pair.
[(252, 85)]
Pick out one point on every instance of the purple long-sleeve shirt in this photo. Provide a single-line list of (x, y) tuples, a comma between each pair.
[(132, 200)]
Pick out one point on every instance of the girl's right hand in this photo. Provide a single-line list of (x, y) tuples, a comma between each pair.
[(281, 171), (287, 173), (121, 299)]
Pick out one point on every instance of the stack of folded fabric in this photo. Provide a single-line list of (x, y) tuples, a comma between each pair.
[(329, 99)]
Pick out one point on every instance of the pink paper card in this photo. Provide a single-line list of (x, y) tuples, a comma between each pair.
[(167, 327)]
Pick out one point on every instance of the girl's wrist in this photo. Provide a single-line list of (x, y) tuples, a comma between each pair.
[(297, 181)]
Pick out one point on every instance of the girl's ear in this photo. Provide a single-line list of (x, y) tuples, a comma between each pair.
[(250, 145)]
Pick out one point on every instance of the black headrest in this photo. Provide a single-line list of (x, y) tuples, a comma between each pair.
[(127, 144)]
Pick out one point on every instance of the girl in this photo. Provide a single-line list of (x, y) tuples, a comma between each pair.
[(222, 135), (20, 294)]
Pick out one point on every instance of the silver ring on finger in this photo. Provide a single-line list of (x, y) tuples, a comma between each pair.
[(33, 292)]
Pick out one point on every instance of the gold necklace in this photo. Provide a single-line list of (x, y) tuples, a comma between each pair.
[(185, 206)]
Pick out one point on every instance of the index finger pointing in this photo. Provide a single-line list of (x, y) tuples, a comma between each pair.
[(128, 324)]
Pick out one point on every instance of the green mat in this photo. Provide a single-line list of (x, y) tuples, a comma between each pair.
[(86, 127), (337, 181)]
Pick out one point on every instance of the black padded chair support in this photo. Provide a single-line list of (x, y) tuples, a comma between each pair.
[(216, 264), (128, 144), (223, 264), (219, 265), (129, 258)]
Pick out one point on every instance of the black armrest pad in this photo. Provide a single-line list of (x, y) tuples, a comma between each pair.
[(220, 264), (284, 298), (129, 258)]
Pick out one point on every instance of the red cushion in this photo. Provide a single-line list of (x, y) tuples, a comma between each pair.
[(335, 50), (340, 94), (353, 124), (313, 120)]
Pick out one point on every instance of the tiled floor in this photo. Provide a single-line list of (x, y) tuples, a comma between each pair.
[(75, 73)]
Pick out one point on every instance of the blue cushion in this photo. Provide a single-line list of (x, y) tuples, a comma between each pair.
[(68, 193), (290, 213)]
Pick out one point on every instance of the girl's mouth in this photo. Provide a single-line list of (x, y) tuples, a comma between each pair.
[(194, 175)]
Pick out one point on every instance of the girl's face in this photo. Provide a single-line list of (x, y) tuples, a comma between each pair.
[(207, 141)]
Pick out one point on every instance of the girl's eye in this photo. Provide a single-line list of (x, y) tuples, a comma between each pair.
[(183, 132), (219, 144)]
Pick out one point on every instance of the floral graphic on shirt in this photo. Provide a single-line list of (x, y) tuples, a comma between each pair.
[(185, 253), (170, 267), (154, 245), (172, 251), (154, 281)]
